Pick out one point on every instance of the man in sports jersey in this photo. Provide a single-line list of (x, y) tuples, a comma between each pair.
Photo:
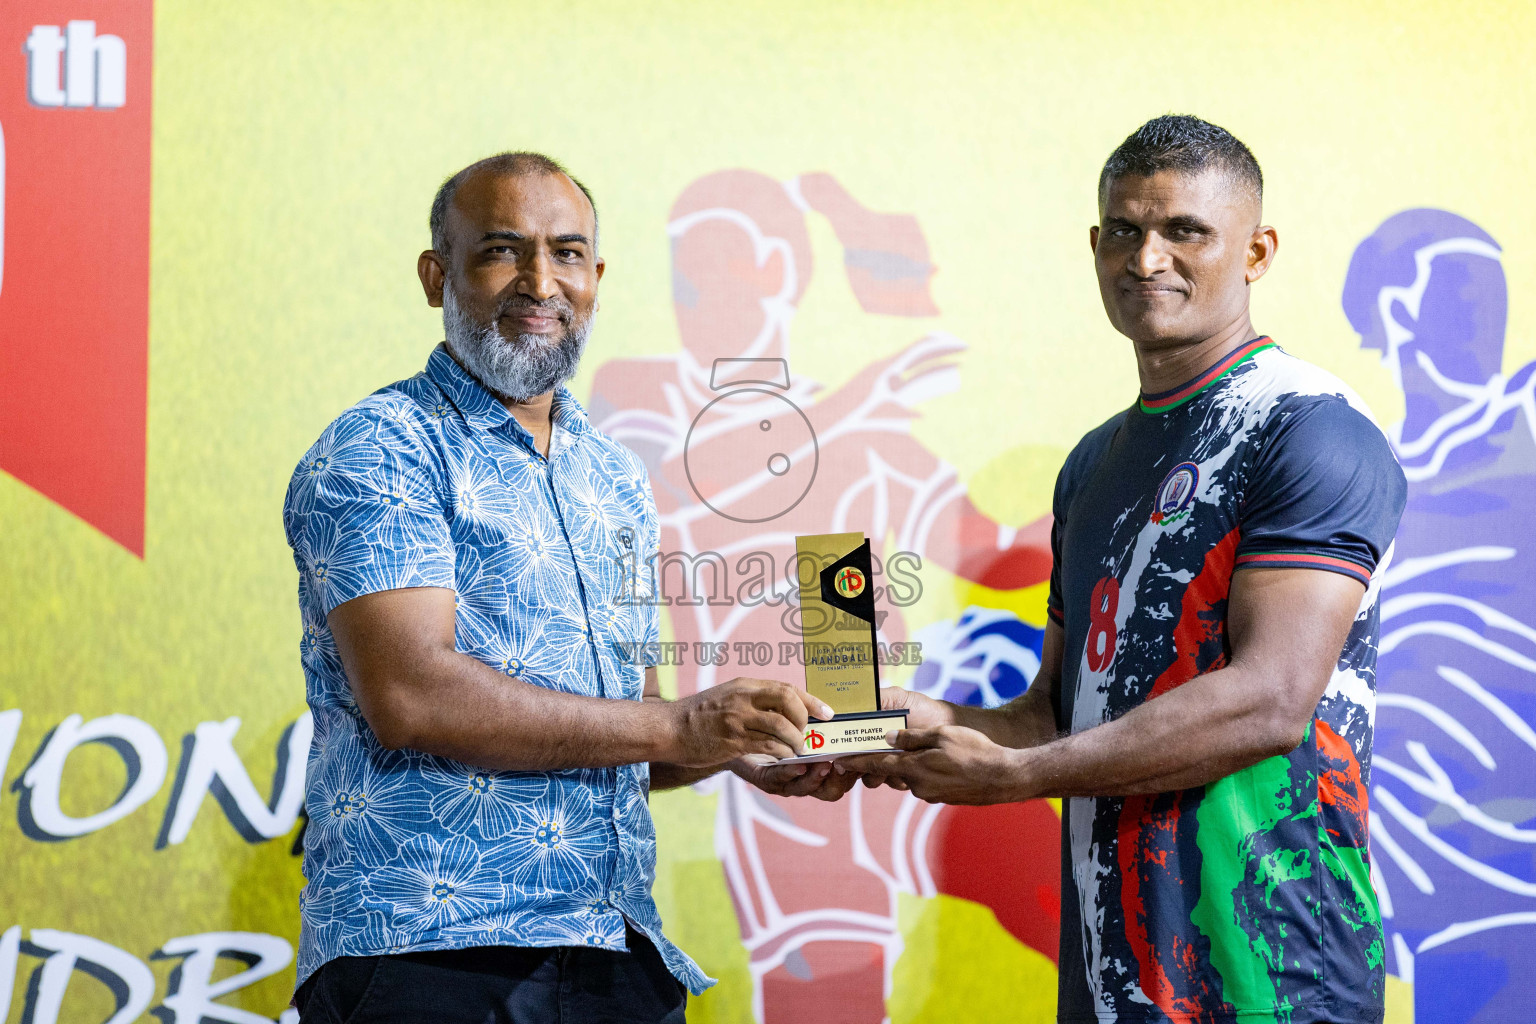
[(1205, 697)]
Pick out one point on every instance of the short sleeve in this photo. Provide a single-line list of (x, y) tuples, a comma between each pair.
[(1059, 502), (1325, 492), (1077, 466), (365, 511)]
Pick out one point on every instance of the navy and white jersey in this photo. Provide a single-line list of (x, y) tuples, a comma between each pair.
[(1248, 899)]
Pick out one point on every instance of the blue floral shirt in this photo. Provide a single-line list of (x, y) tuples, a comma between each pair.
[(430, 482)]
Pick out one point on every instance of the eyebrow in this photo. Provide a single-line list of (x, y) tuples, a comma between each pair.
[(514, 236), (1183, 220)]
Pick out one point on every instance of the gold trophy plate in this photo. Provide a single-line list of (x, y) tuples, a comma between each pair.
[(839, 648)]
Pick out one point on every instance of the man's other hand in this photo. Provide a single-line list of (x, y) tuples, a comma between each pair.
[(741, 717), (778, 778), (949, 764), (923, 712)]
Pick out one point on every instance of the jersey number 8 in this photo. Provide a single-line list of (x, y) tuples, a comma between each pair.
[(1102, 633)]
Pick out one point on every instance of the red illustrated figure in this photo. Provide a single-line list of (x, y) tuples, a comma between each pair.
[(743, 458), (74, 255)]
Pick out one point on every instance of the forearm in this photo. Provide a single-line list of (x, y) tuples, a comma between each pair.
[(1025, 721), (665, 774), (1029, 720), (1149, 750), (501, 723)]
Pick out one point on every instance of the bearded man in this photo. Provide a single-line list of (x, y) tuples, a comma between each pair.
[(479, 846)]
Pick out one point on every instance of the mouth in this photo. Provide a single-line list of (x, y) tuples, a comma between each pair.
[(533, 321), (1149, 291)]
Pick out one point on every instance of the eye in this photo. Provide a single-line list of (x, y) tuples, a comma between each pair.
[(572, 255), (1123, 232)]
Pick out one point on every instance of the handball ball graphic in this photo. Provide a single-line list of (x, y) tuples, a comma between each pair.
[(750, 454)]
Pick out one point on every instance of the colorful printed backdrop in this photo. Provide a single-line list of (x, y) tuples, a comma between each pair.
[(210, 221)]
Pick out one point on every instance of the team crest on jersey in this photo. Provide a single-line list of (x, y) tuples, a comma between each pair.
[(849, 582), (1176, 494)]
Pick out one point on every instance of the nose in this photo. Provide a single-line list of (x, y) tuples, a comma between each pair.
[(1148, 258), (535, 278)]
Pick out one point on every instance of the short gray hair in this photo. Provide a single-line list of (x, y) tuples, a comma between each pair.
[(515, 164)]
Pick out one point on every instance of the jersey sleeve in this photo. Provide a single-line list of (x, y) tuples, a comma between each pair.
[(1325, 492), (365, 512), (1061, 499), (1077, 466), (1053, 598)]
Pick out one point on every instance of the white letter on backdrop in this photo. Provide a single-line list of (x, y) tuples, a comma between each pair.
[(129, 978), (191, 991), (44, 47), (140, 748), (95, 67), (10, 946), (213, 760), (10, 721)]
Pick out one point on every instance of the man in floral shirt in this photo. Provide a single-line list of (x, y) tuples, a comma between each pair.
[(479, 844)]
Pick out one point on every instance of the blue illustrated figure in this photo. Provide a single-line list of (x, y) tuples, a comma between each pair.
[(1453, 788), (984, 658)]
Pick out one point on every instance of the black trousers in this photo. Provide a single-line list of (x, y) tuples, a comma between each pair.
[(497, 985)]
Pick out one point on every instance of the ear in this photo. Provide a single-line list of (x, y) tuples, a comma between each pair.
[(1262, 246), (1093, 239), (430, 269), (1398, 310)]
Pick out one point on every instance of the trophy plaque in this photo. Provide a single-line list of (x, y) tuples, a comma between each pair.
[(838, 647)]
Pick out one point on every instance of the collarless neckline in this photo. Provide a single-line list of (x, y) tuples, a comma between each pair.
[(1165, 401)]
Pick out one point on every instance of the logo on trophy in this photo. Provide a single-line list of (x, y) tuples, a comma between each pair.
[(849, 581)]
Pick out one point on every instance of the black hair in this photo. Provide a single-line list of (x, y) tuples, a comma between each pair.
[(516, 164), (1179, 142)]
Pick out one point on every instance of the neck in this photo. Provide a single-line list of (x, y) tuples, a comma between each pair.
[(1430, 395), (534, 417), (1163, 369)]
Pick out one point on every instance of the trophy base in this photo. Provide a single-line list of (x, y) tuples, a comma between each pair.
[(859, 732)]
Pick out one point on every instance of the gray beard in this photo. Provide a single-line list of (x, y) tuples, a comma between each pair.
[(516, 369)]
